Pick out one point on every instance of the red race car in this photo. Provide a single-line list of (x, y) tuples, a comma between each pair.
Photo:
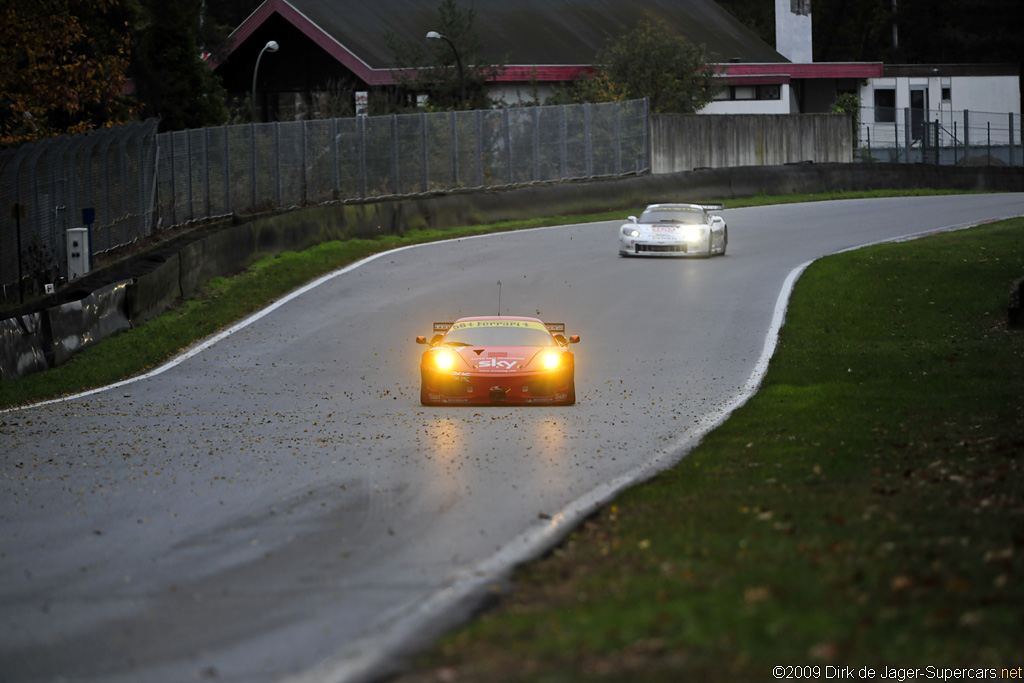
[(498, 360)]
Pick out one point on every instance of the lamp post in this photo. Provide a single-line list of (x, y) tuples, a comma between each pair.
[(434, 35), (271, 46)]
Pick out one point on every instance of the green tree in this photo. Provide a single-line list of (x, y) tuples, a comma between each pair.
[(63, 65), (432, 67), (653, 62), (848, 104), (173, 82)]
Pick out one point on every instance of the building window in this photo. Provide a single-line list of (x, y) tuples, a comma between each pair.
[(745, 92), (946, 94), (749, 92), (885, 105), (801, 7)]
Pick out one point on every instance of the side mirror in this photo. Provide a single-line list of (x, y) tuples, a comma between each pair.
[(560, 338), (421, 339), (574, 339), (436, 339), (631, 219)]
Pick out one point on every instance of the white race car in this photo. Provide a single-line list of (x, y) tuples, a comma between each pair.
[(675, 230)]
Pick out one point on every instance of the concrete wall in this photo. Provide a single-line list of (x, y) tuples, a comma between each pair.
[(681, 142), (135, 290)]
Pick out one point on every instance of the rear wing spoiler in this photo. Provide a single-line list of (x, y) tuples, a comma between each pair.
[(712, 207), (554, 328)]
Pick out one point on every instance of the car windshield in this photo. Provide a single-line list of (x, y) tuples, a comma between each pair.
[(682, 214), (498, 336)]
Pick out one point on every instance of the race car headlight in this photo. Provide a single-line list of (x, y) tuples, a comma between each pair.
[(550, 360), (691, 233), (630, 232), (444, 360)]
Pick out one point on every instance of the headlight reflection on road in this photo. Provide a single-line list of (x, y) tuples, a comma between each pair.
[(444, 438), (549, 438)]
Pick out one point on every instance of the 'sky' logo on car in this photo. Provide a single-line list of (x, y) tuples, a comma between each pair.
[(498, 363)]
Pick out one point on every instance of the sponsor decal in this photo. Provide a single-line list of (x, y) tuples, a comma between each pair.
[(471, 324), (499, 363)]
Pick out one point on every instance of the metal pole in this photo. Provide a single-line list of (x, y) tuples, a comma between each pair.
[(563, 143), (17, 240), (423, 151), (277, 163), (206, 181), (271, 46), (956, 144), (335, 174), (967, 135), (536, 143), (252, 165), (988, 131), (617, 126), (363, 180), (587, 140), (305, 171), (454, 133), (396, 181), (480, 147), (226, 169), (1011, 139), (508, 146), (188, 168)]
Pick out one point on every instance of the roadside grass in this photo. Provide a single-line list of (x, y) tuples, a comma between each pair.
[(224, 301), (865, 508)]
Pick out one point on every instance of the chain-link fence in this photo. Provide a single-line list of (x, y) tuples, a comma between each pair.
[(104, 178), (940, 136), (131, 179), (216, 171)]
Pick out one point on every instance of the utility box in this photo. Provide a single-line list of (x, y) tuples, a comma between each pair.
[(78, 252)]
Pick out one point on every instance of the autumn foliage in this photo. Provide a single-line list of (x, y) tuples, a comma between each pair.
[(651, 61), (62, 68)]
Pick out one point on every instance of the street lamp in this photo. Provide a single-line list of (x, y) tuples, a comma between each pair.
[(434, 35), (271, 46)]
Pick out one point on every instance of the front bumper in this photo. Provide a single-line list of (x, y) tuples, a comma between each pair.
[(639, 247), (526, 388)]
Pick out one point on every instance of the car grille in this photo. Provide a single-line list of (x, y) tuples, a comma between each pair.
[(546, 386), (661, 247), (453, 386)]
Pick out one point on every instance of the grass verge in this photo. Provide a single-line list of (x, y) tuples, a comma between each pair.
[(865, 508), (224, 301)]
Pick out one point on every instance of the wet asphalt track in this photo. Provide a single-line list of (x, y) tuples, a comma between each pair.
[(279, 507)]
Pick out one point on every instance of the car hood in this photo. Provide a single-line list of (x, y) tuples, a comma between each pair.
[(498, 359)]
